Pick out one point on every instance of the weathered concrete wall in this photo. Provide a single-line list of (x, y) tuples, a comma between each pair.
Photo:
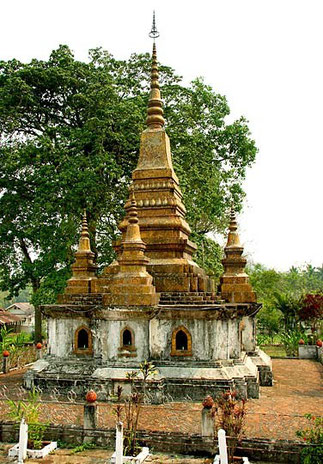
[(105, 334), (61, 335), (110, 331), (248, 334), (211, 339)]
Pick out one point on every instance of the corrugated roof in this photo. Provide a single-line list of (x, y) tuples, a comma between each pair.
[(27, 308), (8, 318)]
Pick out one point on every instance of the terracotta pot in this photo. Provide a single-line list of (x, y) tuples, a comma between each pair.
[(91, 396)]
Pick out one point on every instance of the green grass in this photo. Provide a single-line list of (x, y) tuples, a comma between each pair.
[(274, 350)]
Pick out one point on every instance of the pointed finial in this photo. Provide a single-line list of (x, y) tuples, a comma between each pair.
[(84, 243), (233, 221), (155, 105), (85, 229), (133, 213), (233, 236), (154, 34)]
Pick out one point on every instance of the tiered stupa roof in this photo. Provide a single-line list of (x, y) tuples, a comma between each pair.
[(161, 211), (155, 253), (84, 269), (132, 285), (234, 283)]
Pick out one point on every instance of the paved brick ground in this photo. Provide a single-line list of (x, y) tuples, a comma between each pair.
[(277, 414)]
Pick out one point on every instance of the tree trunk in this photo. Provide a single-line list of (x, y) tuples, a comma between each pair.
[(38, 316), (35, 285)]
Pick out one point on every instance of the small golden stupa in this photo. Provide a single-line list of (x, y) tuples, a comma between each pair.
[(234, 282)]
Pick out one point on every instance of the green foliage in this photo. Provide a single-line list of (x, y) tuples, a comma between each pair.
[(208, 255), (230, 414), (29, 410), (23, 296), (288, 305), (70, 140), (290, 341), (83, 447), (129, 406), (281, 294), (4, 337), (313, 436)]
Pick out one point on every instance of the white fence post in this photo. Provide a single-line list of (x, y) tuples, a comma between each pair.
[(119, 443), (23, 439), (223, 452)]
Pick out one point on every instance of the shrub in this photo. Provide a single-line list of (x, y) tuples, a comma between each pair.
[(313, 436), (29, 410), (291, 340), (229, 414), (130, 405)]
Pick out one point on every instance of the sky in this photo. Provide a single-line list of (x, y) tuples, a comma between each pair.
[(264, 55)]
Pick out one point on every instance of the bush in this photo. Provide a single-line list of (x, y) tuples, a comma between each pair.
[(291, 340), (29, 410), (229, 414), (313, 436)]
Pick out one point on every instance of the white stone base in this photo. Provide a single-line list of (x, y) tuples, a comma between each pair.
[(141, 457), (35, 454)]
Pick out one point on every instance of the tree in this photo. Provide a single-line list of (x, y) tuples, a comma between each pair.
[(311, 309), (283, 294), (70, 140)]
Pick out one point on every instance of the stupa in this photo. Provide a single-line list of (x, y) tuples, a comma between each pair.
[(154, 302)]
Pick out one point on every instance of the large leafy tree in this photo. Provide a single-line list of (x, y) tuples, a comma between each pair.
[(286, 296), (70, 140)]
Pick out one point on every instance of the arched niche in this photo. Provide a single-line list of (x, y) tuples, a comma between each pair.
[(181, 342), (83, 340), (127, 343)]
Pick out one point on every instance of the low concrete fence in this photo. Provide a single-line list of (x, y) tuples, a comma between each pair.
[(279, 451)]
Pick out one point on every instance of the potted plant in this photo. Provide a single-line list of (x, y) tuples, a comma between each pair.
[(29, 410), (229, 414)]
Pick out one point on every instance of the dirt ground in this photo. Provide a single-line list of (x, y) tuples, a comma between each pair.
[(64, 456), (277, 414)]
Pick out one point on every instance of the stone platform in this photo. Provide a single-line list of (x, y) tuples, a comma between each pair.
[(175, 381)]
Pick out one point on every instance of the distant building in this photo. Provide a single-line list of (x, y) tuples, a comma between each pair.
[(26, 313), (11, 321)]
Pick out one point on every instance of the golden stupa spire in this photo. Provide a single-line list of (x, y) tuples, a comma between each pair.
[(133, 231), (84, 269), (160, 210), (132, 285), (155, 111), (234, 282), (233, 236), (84, 242)]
